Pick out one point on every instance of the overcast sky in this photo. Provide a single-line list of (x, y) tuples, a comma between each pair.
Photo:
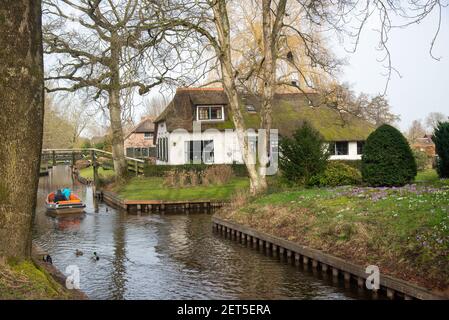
[(424, 86)]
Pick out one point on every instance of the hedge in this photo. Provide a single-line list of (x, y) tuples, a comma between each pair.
[(152, 170)]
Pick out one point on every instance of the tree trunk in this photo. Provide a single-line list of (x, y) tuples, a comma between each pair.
[(21, 122), (257, 182), (115, 112), (269, 83)]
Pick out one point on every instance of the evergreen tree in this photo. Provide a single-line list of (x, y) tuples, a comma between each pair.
[(388, 159), (303, 155), (441, 140)]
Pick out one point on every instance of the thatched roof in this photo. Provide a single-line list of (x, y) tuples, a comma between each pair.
[(289, 110), (145, 125)]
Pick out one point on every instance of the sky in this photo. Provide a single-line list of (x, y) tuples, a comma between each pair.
[(424, 86)]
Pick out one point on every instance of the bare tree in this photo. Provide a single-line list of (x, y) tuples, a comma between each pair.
[(155, 105), (107, 49), (434, 118), (210, 19), (415, 131), (21, 121), (375, 110), (58, 130), (80, 118)]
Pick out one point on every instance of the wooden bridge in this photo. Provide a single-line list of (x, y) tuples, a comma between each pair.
[(52, 157)]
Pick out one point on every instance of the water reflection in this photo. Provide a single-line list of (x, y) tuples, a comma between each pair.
[(172, 256)]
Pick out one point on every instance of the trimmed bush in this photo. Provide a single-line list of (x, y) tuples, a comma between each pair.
[(387, 159), (337, 174), (441, 140), (217, 174), (304, 155), (152, 170), (212, 175)]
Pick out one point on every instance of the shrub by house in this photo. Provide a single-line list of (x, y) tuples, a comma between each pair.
[(337, 174), (303, 155), (388, 159)]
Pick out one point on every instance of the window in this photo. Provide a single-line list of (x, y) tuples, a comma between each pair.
[(199, 151), (152, 152), (360, 146), (341, 148), (205, 113), (148, 136), (250, 108), (165, 149), (162, 149), (137, 153)]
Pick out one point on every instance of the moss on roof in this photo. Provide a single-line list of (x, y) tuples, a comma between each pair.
[(289, 111), (333, 125)]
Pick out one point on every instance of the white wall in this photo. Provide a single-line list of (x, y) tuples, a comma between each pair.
[(226, 147)]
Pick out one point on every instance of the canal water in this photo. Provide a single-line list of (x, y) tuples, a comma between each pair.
[(173, 256)]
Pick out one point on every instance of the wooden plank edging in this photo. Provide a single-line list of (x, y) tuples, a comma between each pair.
[(113, 199), (386, 281)]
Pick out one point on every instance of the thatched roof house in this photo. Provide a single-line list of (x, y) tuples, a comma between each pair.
[(289, 110)]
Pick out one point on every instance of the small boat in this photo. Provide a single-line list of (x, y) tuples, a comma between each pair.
[(72, 206)]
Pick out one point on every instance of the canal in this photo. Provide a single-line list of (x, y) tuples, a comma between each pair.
[(173, 256)]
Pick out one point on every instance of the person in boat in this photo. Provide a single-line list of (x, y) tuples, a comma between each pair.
[(59, 196), (66, 192)]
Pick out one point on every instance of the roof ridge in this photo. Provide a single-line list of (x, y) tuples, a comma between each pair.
[(198, 89)]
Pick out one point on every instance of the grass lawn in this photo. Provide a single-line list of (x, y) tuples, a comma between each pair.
[(88, 173), (153, 188), (404, 231)]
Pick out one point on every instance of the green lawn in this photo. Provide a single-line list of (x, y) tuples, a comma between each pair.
[(405, 231), (153, 189), (88, 173), (430, 177)]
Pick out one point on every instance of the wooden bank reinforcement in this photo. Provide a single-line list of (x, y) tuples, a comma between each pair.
[(392, 287), (151, 206)]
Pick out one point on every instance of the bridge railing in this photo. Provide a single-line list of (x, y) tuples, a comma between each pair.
[(81, 151), (54, 155)]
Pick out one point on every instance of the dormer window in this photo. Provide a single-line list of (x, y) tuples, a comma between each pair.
[(210, 113), (250, 108)]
